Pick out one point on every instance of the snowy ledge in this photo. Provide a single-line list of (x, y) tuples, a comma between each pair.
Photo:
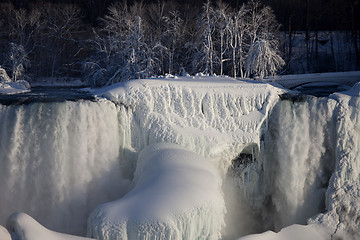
[(215, 117)]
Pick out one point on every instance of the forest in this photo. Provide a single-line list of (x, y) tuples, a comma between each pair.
[(103, 42)]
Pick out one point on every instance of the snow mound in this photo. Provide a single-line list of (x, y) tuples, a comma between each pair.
[(176, 196), (211, 116), (4, 234), (24, 227), (293, 232)]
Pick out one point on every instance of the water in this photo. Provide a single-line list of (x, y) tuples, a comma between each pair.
[(59, 159), (46, 94)]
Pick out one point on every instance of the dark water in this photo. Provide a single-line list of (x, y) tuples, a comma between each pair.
[(46, 94), (321, 91)]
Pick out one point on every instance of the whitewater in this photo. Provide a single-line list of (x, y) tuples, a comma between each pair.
[(181, 158)]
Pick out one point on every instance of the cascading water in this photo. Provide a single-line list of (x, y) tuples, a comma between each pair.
[(285, 183), (59, 161)]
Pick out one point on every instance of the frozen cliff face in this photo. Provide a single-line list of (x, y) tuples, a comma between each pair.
[(176, 195)]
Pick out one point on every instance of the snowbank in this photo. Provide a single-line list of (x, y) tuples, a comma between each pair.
[(9, 87), (293, 232), (176, 195), (24, 227)]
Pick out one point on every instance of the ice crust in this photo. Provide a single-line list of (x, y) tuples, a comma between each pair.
[(176, 195)]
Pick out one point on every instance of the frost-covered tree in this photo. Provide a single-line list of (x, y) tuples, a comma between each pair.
[(207, 29), (172, 39), (19, 61), (236, 35), (222, 26), (24, 26), (263, 59), (122, 51)]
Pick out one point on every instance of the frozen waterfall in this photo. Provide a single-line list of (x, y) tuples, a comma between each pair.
[(59, 161), (271, 161)]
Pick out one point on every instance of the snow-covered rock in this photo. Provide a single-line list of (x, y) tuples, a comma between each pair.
[(176, 196), (4, 78), (7, 86), (293, 232)]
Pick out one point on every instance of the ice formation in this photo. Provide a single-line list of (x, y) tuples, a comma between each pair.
[(177, 195)]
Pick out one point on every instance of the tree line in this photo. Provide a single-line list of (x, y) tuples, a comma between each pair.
[(139, 39)]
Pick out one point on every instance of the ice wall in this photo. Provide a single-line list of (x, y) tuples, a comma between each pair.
[(343, 194), (58, 161)]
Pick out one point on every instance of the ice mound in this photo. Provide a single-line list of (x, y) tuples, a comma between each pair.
[(24, 227), (293, 232), (176, 195)]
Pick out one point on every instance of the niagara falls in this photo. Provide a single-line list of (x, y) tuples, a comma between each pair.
[(179, 120)]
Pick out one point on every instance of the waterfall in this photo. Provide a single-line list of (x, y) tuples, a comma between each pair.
[(285, 182), (59, 161)]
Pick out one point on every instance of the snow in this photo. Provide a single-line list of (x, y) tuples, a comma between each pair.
[(9, 87), (24, 227), (215, 117), (4, 234), (293, 232), (176, 196)]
